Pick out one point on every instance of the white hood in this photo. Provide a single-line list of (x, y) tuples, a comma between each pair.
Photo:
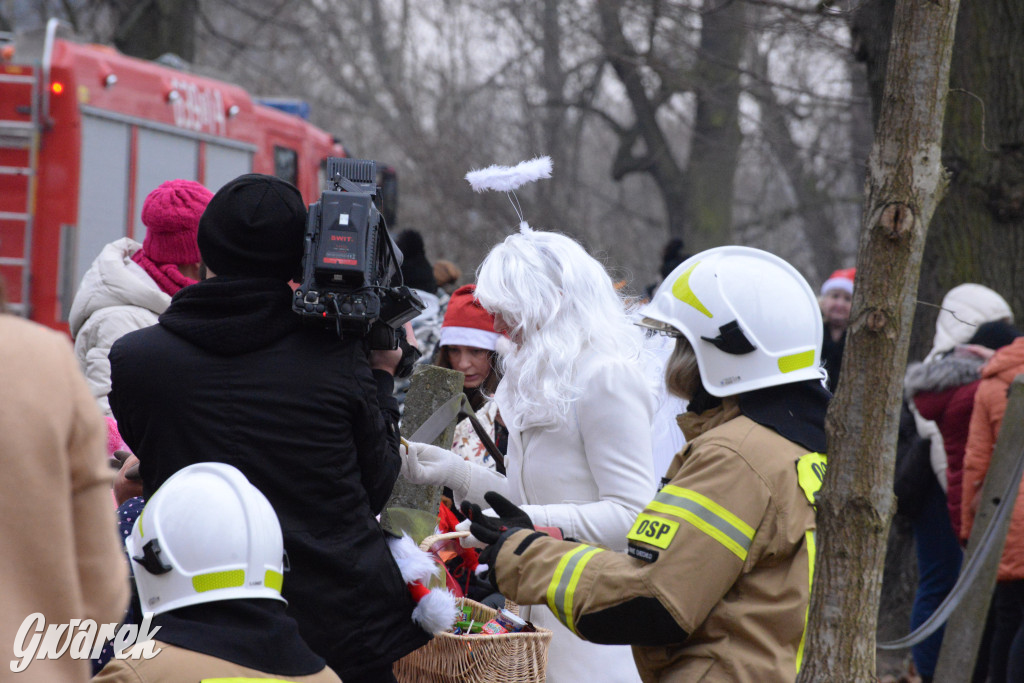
[(115, 280)]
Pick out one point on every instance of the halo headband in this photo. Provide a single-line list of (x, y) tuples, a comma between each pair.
[(509, 178)]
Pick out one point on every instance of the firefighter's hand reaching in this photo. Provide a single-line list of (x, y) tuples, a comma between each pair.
[(493, 531), (487, 528)]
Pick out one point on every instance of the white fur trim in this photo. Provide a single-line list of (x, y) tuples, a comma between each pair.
[(508, 178), (503, 346), (469, 336), (436, 611), (413, 563), (840, 283)]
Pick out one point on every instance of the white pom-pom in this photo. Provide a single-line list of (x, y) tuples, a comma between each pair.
[(436, 611), (503, 346), (413, 563), (508, 178)]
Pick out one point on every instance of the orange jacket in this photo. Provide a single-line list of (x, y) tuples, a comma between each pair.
[(986, 418)]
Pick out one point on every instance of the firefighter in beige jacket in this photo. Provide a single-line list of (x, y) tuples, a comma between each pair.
[(208, 558), (716, 581), (61, 554)]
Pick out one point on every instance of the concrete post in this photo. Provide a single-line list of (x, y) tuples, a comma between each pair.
[(430, 387)]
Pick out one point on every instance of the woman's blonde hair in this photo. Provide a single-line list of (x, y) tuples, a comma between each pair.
[(682, 375), (558, 302)]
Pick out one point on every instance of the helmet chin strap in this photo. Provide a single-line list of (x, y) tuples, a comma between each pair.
[(151, 560), (731, 340)]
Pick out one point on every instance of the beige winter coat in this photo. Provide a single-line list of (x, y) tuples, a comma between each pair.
[(61, 554), (172, 664)]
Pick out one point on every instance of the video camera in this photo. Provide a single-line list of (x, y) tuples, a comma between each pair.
[(349, 262)]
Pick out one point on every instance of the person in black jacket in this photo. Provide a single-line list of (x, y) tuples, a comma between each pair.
[(230, 374)]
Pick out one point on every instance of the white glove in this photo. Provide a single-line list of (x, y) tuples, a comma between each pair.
[(433, 466), (470, 541)]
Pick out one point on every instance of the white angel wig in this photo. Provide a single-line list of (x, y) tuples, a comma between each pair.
[(558, 302)]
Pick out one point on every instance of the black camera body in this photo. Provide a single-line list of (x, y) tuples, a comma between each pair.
[(350, 262)]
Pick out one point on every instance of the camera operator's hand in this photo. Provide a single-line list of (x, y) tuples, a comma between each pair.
[(398, 362), (432, 466), (386, 360), (128, 482)]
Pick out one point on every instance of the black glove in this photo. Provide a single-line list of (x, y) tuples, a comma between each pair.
[(487, 528), (410, 354), (495, 530)]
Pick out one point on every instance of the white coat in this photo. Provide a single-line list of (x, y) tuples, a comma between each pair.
[(590, 479), (116, 297)]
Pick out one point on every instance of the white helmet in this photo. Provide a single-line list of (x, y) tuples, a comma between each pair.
[(752, 319), (206, 535)]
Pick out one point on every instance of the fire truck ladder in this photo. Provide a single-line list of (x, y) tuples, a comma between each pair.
[(22, 134)]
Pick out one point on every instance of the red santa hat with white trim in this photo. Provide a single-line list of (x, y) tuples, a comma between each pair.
[(466, 323), (436, 610), (841, 279)]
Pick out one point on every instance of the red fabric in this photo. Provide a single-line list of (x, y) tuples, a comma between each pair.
[(465, 311), (840, 279), (171, 215), (446, 519), (417, 590), (951, 411), (986, 419), (167, 276)]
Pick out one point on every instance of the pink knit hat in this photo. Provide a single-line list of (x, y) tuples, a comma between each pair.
[(171, 215)]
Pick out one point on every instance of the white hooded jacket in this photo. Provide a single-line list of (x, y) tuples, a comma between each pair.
[(963, 309), (116, 297)]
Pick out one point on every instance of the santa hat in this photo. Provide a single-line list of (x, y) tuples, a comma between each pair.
[(841, 279), (435, 610), (466, 323), (171, 215)]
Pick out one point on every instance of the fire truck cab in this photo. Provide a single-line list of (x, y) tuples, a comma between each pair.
[(86, 133)]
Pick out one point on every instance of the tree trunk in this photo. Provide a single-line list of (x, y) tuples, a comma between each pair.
[(715, 145), (656, 157), (150, 28), (698, 201), (977, 234), (820, 229), (855, 507), (554, 134)]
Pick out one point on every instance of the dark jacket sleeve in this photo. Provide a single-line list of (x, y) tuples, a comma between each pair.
[(377, 437), (120, 395)]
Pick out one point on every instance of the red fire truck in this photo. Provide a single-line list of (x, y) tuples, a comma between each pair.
[(86, 133)]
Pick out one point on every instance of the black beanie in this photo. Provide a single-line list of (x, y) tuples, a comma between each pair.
[(254, 226), (995, 335)]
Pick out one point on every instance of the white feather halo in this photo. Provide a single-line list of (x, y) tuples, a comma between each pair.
[(509, 178)]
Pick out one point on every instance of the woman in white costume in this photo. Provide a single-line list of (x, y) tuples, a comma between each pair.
[(578, 408)]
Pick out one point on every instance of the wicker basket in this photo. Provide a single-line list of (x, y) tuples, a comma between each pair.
[(478, 658)]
